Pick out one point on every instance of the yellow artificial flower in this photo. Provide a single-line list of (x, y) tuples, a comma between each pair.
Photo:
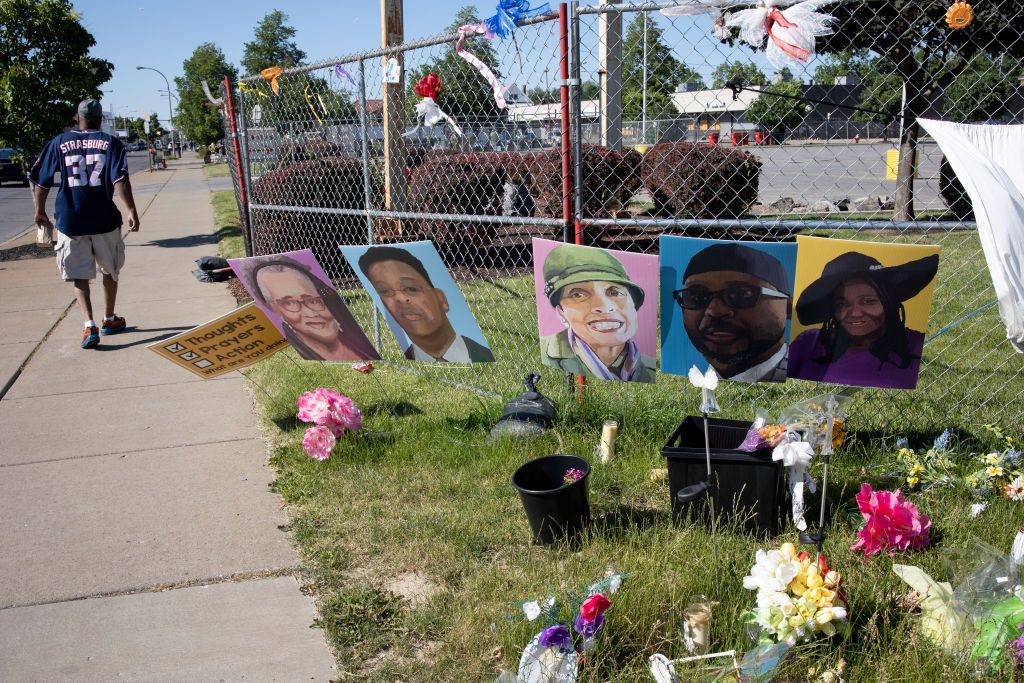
[(912, 481), (993, 459), (994, 471), (788, 551), (918, 468), (905, 453)]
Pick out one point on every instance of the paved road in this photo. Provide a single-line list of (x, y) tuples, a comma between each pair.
[(834, 171), (16, 202)]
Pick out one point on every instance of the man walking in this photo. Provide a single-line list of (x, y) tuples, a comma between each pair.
[(92, 165)]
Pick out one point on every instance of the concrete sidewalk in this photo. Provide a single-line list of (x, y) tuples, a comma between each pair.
[(140, 541)]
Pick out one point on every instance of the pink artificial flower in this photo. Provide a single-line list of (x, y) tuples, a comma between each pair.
[(328, 408), (892, 523), (594, 606), (314, 405), (343, 415), (318, 442)]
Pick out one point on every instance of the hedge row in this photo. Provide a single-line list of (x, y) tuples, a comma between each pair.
[(331, 182), (684, 180)]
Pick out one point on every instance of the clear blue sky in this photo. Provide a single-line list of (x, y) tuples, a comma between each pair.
[(163, 34)]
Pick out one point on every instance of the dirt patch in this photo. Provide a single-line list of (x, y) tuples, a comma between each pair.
[(26, 251), (415, 587)]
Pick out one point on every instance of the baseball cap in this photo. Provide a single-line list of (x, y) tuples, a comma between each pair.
[(742, 259), (90, 109)]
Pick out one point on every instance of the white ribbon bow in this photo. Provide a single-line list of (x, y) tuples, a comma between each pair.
[(431, 114), (796, 456), (707, 383)]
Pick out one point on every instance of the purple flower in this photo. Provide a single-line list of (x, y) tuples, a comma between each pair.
[(1018, 645), (572, 475), (556, 636), (588, 629)]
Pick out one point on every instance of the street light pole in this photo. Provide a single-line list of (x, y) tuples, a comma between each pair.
[(170, 107)]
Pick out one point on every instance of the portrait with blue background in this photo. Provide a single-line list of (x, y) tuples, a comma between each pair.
[(421, 310), (735, 304)]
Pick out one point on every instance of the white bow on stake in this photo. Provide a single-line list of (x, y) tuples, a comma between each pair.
[(707, 383), (796, 456), (791, 32)]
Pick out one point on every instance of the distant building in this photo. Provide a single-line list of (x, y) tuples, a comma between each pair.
[(374, 110), (523, 113)]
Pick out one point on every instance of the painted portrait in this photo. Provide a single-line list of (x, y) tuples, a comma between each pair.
[(861, 311), (300, 300), (596, 311), (420, 301), (726, 304)]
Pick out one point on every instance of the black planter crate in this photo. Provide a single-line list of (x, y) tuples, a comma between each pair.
[(746, 485)]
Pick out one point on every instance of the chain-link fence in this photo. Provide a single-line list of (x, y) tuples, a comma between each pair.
[(674, 127)]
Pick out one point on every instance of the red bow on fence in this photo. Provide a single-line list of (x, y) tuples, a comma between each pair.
[(775, 16), (428, 86)]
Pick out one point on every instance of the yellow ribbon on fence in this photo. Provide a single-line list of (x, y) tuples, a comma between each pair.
[(312, 109), (249, 90)]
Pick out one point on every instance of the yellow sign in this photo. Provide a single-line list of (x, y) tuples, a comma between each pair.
[(231, 342), (892, 163)]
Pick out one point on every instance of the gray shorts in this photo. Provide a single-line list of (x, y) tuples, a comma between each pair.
[(77, 257)]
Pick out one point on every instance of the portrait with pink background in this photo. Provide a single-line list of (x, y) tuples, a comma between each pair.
[(641, 268)]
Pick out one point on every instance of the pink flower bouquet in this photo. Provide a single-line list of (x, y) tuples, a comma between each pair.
[(892, 523), (332, 414)]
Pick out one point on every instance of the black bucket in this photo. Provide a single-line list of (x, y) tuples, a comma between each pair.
[(557, 511), (747, 485)]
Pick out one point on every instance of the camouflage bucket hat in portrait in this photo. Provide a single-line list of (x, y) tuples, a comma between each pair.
[(570, 264)]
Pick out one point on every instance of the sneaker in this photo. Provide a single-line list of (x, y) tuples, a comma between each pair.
[(90, 338), (113, 326)]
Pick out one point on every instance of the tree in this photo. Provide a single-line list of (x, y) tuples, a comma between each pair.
[(135, 127), (155, 129), (771, 111), (200, 120), (465, 95), (980, 93), (664, 72), (846, 63), (45, 70), (881, 91), (925, 55), (746, 72), (304, 101), (273, 45)]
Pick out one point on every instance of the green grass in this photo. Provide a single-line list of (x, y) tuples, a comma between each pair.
[(217, 170), (433, 497), (424, 499), (228, 230)]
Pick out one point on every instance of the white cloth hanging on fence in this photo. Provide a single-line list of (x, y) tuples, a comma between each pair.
[(989, 161)]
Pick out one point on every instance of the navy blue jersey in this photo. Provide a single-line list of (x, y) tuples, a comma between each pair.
[(89, 163)]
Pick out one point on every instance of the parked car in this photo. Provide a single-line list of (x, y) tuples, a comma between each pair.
[(11, 170)]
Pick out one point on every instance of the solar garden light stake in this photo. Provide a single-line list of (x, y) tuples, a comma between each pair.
[(707, 383), (826, 449)]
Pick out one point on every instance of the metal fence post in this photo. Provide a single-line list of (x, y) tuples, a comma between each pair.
[(563, 44), (367, 190), (610, 72), (243, 140), (577, 112), (240, 172)]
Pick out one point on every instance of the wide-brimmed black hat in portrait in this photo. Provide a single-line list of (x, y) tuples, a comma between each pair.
[(901, 282)]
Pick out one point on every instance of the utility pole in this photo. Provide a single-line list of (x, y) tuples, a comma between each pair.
[(393, 33), (610, 29), (643, 104)]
